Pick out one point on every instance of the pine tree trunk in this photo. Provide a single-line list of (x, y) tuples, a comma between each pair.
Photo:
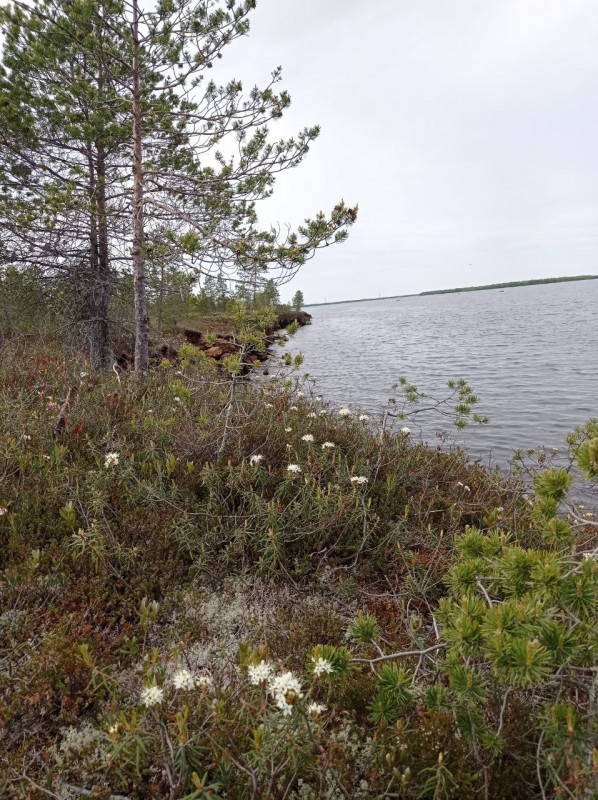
[(91, 282), (103, 274), (161, 300), (139, 288)]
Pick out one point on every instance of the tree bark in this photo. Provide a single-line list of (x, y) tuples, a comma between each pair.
[(90, 283), (161, 299), (139, 285), (103, 274)]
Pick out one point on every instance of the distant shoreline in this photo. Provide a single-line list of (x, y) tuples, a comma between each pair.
[(512, 284), (508, 285)]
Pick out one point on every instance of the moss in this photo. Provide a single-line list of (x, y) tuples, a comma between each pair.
[(183, 552)]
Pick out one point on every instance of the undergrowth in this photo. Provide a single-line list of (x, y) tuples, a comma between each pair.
[(208, 594)]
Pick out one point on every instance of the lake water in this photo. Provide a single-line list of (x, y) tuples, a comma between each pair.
[(530, 353)]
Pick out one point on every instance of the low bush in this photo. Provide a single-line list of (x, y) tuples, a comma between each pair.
[(216, 593)]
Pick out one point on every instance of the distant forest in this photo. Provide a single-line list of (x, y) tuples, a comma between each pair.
[(512, 283)]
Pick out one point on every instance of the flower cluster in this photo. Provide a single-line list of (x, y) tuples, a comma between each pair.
[(359, 480), (260, 673), (322, 666), (255, 460), (344, 412), (308, 437), (111, 459), (294, 468), (285, 690), (327, 445), (152, 695), (183, 679)]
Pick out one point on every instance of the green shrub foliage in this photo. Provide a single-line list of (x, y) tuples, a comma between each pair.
[(208, 594)]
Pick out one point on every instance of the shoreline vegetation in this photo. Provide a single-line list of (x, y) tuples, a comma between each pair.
[(507, 285), (217, 336), (219, 589)]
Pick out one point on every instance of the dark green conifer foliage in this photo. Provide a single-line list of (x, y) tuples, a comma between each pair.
[(297, 301), (60, 134), (115, 78)]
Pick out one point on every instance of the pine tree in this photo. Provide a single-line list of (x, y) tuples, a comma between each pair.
[(165, 111), (270, 294), (297, 301), (59, 132)]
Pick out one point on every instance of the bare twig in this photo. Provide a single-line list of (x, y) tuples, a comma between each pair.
[(60, 423), (402, 654)]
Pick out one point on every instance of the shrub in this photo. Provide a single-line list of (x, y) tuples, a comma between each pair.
[(183, 616)]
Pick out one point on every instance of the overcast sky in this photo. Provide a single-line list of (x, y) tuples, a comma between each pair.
[(466, 130)]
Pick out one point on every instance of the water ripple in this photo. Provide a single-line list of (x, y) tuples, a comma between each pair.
[(530, 354)]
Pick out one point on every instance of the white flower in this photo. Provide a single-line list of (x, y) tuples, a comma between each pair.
[(300, 394), (177, 399), (405, 431), (259, 674), (152, 695), (204, 681), (294, 468), (268, 405), (344, 412), (255, 460), (307, 437), (363, 417), (293, 408), (288, 430), (312, 415), (26, 437), (322, 412), (319, 399), (327, 445), (3, 511), (286, 690), (183, 679), (111, 459), (315, 709), (360, 480), (321, 665)]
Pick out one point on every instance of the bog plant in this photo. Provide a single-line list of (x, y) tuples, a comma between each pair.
[(184, 616)]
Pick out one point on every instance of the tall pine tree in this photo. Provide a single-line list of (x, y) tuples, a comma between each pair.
[(201, 154)]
